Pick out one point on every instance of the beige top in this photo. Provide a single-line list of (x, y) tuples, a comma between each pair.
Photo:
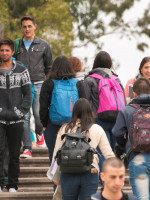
[(98, 138)]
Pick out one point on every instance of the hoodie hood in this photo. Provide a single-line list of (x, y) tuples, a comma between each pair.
[(143, 99), (105, 72)]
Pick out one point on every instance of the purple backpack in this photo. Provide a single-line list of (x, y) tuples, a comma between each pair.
[(111, 98), (140, 129)]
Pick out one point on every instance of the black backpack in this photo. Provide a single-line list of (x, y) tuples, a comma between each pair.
[(75, 155)]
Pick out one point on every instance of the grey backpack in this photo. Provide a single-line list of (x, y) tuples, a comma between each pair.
[(75, 155)]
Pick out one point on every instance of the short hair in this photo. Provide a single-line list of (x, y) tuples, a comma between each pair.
[(9, 42), (76, 63), (102, 60), (27, 17), (144, 60), (112, 162), (141, 86)]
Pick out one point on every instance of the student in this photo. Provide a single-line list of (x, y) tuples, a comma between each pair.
[(102, 66), (77, 67), (139, 162), (36, 55), (61, 69), (113, 175), (144, 71), (82, 185), (15, 101)]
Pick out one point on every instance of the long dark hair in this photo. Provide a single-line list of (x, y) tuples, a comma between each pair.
[(82, 110), (102, 60), (144, 60), (61, 67)]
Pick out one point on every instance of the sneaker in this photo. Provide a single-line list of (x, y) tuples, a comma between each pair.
[(12, 190), (26, 154), (40, 140), (0, 189)]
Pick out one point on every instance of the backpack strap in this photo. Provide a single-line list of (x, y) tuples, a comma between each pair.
[(96, 76), (114, 77), (16, 45)]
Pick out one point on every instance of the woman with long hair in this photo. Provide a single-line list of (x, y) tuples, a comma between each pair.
[(81, 186), (61, 68), (102, 66)]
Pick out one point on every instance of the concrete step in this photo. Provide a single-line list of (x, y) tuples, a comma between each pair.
[(37, 195), (36, 152), (33, 171), (34, 182), (35, 161)]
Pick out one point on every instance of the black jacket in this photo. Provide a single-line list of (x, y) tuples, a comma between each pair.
[(15, 94), (98, 196), (38, 59)]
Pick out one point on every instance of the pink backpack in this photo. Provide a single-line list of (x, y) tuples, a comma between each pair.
[(111, 98)]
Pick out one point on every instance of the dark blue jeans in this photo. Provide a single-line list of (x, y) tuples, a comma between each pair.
[(13, 134), (50, 135), (78, 186), (107, 126)]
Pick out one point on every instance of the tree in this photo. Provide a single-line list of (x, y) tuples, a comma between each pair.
[(98, 18), (53, 19), (93, 19)]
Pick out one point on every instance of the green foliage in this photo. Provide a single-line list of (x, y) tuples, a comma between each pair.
[(97, 18), (54, 22), (93, 18)]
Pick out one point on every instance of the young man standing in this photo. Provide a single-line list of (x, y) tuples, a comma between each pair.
[(15, 101), (36, 55), (134, 120), (113, 173)]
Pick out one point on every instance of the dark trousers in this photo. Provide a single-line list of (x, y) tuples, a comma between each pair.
[(13, 134), (50, 135)]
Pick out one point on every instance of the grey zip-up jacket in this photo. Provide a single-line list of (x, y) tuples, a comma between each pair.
[(15, 94), (38, 59)]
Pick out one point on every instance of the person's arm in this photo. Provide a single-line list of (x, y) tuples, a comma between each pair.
[(81, 89), (26, 92), (105, 146), (120, 130), (48, 60), (45, 99)]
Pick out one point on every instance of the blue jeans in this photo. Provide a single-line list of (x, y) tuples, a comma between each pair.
[(78, 186), (38, 126), (139, 171), (50, 135), (107, 126)]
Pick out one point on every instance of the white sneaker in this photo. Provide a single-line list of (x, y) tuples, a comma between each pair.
[(12, 190), (0, 189)]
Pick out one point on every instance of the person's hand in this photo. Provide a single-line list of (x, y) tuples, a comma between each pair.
[(44, 128), (56, 182)]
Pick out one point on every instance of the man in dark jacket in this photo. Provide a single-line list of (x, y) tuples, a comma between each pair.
[(139, 162), (36, 55), (113, 174), (15, 101)]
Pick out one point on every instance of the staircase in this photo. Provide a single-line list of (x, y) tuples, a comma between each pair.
[(33, 182)]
